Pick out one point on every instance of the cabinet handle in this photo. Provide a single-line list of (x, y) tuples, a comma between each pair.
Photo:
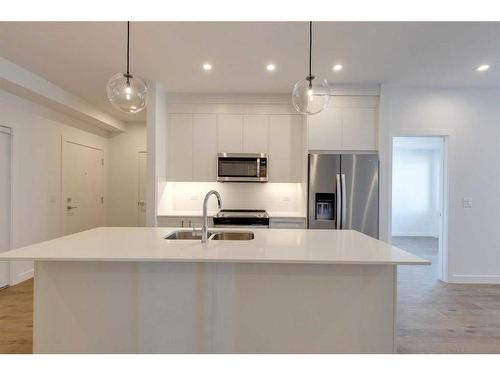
[(182, 223)]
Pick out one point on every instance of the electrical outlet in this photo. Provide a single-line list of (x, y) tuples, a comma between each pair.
[(194, 197), (467, 202), (286, 199)]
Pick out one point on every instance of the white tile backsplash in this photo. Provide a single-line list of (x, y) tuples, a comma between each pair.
[(188, 196)]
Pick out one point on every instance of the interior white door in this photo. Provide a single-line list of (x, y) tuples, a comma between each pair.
[(141, 201), (83, 187), (5, 200)]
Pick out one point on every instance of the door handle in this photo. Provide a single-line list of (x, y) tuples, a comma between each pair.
[(338, 202), (71, 207), (344, 202)]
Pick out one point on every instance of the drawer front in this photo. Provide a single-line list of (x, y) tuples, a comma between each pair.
[(288, 223)]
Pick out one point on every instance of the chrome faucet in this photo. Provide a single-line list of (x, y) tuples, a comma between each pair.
[(204, 228)]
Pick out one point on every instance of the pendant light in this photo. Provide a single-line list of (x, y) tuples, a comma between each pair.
[(311, 94), (127, 93)]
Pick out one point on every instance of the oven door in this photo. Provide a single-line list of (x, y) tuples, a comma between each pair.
[(242, 167)]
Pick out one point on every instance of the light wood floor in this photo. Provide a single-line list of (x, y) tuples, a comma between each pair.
[(16, 318), (433, 317)]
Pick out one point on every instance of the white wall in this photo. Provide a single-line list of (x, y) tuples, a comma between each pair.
[(36, 177), (415, 191), (123, 175), (471, 119)]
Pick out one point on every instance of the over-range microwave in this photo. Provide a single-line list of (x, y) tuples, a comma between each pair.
[(242, 167)]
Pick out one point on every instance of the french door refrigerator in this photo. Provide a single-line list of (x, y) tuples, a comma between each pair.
[(343, 192)]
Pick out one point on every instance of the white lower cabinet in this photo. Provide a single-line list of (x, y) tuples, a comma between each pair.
[(287, 223)]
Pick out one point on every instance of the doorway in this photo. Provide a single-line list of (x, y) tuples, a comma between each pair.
[(418, 197), (5, 200), (82, 187)]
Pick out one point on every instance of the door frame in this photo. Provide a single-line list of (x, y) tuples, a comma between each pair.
[(448, 137), (139, 181), (61, 177), (10, 132)]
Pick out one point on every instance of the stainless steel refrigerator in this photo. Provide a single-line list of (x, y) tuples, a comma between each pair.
[(343, 192)]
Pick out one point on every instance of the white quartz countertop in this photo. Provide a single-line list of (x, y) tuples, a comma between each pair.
[(268, 246)]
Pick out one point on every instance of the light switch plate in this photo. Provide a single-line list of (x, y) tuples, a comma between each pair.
[(467, 202)]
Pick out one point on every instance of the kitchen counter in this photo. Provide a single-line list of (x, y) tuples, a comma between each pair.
[(128, 290), (269, 246)]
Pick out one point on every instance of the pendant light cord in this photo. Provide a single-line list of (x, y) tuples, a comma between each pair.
[(128, 49), (310, 47)]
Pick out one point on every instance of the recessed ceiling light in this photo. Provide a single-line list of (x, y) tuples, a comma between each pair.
[(482, 68), (270, 67), (207, 66), (337, 67)]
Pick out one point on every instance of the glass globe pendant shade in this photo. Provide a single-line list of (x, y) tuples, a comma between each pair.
[(127, 93), (310, 95)]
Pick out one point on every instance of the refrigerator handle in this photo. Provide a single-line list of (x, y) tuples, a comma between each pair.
[(338, 203), (344, 202)]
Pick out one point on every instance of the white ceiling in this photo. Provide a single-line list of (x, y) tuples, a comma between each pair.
[(80, 57)]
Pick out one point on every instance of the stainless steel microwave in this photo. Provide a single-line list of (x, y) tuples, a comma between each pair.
[(242, 167)]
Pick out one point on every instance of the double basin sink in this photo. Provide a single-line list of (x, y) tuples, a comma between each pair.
[(212, 235)]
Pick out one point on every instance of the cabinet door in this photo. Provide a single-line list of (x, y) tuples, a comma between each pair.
[(285, 148), (172, 221), (287, 223), (256, 133), (230, 133), (325, 130), (359, 130), (204, 147), (180, 148)]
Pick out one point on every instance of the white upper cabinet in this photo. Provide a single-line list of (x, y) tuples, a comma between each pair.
[(180, 148), (285, 148), (204, 147), (194, 139), (359, 130), (349, 123), (256, 133), (229, 133), (325, 129)]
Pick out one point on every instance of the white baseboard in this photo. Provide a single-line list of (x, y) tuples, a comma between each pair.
[(22, 276), (475, 279), (415, 234)]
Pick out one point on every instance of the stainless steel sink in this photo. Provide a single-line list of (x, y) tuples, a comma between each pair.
[(233, 236), (185, 235), (218, 236)]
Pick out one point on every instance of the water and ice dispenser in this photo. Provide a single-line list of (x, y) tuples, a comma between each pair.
[(325, 206)]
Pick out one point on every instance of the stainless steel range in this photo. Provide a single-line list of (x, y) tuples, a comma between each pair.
[(241, 218)]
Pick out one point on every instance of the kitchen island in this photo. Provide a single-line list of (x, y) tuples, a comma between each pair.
[(128, 290)]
